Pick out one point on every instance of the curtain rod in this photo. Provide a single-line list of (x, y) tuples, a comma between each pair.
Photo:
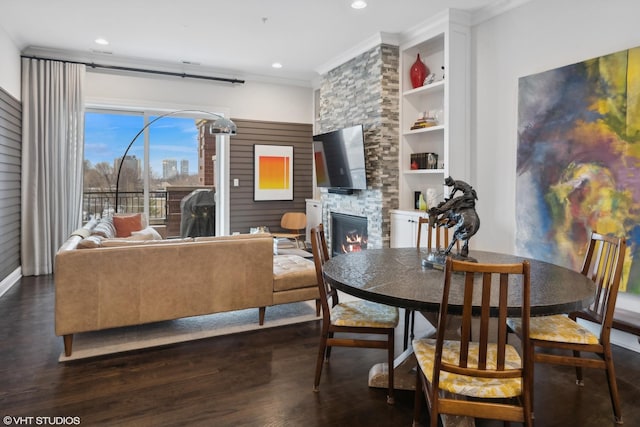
[(138, 70)]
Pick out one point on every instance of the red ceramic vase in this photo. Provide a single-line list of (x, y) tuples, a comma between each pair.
[(418, 73)]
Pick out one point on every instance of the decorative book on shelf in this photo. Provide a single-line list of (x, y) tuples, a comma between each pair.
[(426, 122), (424, 161)]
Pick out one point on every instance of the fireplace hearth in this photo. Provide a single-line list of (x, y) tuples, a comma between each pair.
[(348, 233)]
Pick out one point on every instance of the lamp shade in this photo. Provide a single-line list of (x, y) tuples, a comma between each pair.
[(222, 126)]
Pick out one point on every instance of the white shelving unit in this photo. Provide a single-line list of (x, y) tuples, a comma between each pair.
[(441, 42)]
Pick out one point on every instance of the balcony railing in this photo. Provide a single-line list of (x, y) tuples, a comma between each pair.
[(102, 203)]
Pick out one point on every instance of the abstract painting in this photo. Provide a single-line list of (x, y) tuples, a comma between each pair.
[(273, 179), (578, 166)]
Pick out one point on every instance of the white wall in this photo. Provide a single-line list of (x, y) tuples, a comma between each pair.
[(251, 100), (10, 68), (537, 36)]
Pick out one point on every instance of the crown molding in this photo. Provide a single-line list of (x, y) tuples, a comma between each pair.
[(494, 9), (360, 48)]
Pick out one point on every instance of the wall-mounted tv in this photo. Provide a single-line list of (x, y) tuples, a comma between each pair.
[(339, 160)]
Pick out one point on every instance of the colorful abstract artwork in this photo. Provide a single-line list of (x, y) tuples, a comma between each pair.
[(578, 166), (273, 179)]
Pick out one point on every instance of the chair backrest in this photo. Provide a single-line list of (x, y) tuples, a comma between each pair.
[(328, 295), (603, 264), (294, 221), (492, 283), (441, 236)]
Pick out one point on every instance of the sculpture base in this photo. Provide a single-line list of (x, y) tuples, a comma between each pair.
[(437, 259)]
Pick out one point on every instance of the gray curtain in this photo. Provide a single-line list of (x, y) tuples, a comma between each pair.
[(52, 159)]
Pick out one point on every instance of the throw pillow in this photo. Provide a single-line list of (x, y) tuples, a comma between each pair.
[(90, 242), (105, 229), (125, 224), (148, 233)]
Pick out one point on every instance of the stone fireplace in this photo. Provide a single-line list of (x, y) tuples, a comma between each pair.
[(364, 90), (348, 233)]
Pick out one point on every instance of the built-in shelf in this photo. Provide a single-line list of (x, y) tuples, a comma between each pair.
[(432, 87), (442, 44), (424, 130), (423, 171)]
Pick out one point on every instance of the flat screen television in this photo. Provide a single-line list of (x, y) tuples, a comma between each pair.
[(339, 160)]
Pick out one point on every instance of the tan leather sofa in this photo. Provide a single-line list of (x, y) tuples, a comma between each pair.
[(149, 281)]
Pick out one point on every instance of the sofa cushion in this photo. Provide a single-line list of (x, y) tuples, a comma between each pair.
[(105, 229), (82, 232), (116, 243), (125, 224), (293, 272)]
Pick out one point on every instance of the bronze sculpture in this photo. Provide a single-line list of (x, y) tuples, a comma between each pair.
[(459, 213)]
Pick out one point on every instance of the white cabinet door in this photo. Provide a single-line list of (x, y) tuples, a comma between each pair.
[(404, 229)]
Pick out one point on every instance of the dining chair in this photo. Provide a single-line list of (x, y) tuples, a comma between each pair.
[(603, 264), (294, 225), (352, 317), (439, 234), (486, 377)]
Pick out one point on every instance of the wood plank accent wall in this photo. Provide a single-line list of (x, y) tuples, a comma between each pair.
[(10, 182), (244, 212)]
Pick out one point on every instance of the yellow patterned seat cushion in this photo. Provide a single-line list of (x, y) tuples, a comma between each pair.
[(557, 328), (364, 314), (424, 350)]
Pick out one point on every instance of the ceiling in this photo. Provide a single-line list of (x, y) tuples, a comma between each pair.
[(240, 38)]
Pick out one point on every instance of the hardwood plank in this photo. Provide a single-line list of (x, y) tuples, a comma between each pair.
[(259, 378)]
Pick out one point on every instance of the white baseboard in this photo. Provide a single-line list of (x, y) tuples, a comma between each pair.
[(10, 280)]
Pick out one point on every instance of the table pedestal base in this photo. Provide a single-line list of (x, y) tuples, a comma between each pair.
[(404, 375)]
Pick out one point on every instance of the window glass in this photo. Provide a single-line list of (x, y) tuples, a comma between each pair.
[(173, 160)]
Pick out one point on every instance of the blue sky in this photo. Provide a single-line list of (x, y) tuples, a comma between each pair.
[(107, 136)]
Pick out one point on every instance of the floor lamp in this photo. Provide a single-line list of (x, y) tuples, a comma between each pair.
[(220, 126)]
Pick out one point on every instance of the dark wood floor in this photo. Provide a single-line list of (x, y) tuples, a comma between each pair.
[(261, 378)]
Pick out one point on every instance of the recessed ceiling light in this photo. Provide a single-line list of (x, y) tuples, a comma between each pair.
[(101, 41), (359, 4), (276, 65)]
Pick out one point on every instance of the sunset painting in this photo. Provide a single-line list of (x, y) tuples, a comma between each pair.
[(273, 172), (578, 166)]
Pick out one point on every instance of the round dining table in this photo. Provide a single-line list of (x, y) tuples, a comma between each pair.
[(397, 277), (406, 278)]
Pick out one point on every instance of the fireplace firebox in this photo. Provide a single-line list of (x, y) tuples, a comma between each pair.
[(348, 233)]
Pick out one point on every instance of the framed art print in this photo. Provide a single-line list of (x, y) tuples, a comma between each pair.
[(273, 177)]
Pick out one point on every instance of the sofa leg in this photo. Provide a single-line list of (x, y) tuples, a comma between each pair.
[(261, 312), (68, 343), (318, 307)]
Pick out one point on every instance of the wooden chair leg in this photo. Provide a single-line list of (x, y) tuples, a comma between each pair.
[(322, 348), (418, 400), (407, 318), (409, 327), (390, 358), (261, 313), (579, 378), (327, 355), (318, 307), (613, 385)]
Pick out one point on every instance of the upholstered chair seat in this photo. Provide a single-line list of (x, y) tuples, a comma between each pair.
[(364, 314), (556, 328), (465, 385)]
